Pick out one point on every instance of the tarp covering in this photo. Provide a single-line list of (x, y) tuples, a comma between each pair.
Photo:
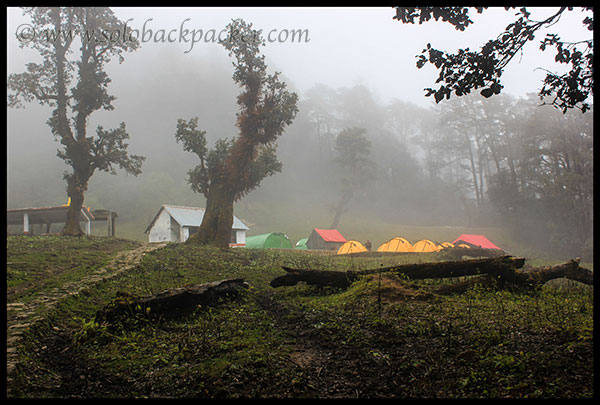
[(330, 235), (351, 246), (396, 244), (476, 240), (273, 240), (425, 245), (301, 244)]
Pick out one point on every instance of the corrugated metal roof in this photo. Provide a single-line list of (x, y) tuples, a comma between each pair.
[(192, 216), (43, 215)]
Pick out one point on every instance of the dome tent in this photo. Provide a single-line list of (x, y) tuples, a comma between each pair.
[(425, 245), (301, 244), (273, 240), (396, 244), (351, 246)]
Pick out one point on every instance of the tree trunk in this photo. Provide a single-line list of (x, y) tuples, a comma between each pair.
[(473, 171), (501, 271), (174, 301), (339, 210), (72, 227), (218, 219), (569, 270), (414, 271), (341, 207)]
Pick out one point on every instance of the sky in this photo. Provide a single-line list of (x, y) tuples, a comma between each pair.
[(339, 47), (166, 80)]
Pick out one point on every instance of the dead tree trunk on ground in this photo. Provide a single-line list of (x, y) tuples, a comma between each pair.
[(501, 270), (528, 278), (413, 271), (174, 301)]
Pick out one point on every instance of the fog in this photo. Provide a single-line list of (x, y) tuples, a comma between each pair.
[(355, 68)]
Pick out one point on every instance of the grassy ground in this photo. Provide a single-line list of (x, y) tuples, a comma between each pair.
[(36, 264), (383, 337)]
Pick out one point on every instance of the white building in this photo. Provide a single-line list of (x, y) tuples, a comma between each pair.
[(27, 217), (174, 223)]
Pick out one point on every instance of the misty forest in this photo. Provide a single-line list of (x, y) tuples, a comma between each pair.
[(129, 127)]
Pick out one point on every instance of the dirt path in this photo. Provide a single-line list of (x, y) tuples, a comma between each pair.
[(19, 316)]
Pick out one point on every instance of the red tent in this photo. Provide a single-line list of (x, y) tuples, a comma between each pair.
[(330, 235), (325, 239), (476, 240)]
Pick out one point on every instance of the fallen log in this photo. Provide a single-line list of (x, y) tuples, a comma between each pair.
[(457, 253), (413, 271), (174, 301), (526, 278), (500, 272), (569, 270)]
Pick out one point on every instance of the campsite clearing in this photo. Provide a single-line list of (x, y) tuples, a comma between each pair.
[(384, 336)]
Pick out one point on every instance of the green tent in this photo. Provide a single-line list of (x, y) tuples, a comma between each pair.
[(273, 240), (301, 244)]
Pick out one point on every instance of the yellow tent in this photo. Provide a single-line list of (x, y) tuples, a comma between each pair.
[(425, 245), (445, 245), (396, 244), (351, 246), (462, 245)]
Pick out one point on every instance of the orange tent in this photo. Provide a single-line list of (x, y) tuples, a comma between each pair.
[(351, 246), (425, 245), (396, 244)]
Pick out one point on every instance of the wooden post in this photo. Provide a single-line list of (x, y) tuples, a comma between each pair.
[(48, 227), (113, 222), (88, 227), (25, 223), (109, 222)]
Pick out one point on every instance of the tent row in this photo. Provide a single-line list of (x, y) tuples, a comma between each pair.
[(319, 239), (396, 244), (332, 239), (399, 244)]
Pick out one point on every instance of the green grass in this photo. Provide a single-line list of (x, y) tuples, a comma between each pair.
[(35, 264), (379, 338)]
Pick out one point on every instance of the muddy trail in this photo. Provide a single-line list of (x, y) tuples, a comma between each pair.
[(20, 316)]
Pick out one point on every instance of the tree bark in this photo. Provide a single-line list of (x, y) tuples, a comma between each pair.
[(218, 219), (72, 227)]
